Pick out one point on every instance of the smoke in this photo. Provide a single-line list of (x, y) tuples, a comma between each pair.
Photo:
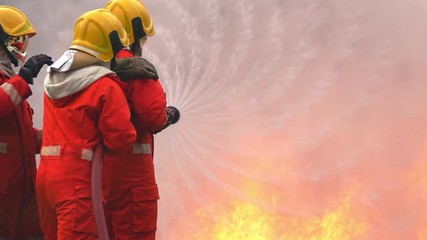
[(288, 105)]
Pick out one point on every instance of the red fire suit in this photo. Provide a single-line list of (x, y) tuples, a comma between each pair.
[(18, 208), (130, 187), (73, 126)]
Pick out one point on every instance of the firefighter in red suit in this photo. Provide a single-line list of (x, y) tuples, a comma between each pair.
[(18, 138), (83, 106), (130, 188)]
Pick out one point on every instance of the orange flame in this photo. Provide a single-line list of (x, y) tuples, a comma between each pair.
[(338, 224), (246, 221)]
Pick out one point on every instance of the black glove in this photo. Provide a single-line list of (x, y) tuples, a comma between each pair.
[(173, 114), (33, 66), (136, 67)]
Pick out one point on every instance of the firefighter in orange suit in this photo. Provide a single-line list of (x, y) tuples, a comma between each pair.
[(18, 138), (83, 106), (130, 188)]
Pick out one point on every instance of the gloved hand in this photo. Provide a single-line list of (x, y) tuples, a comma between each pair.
[(33, 66), (136, 67), (173, 114)]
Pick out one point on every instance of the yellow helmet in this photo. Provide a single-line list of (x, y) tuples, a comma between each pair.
[(134, 16), (99, 33), (15, 30), (13, 22)]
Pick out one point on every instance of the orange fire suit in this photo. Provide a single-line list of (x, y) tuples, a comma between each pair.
[(130, 188), (18, 208), (73, 126)]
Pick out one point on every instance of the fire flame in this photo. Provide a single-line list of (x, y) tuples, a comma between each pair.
[(246, 221), (338, 224)]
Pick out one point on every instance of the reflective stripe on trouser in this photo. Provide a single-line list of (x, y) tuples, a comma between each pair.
[(87, 154), (3, 149)]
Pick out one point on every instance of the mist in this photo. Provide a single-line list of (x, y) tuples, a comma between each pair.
[(300, 119)]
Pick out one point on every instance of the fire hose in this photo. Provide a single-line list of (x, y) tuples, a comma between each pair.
[(96, 179)]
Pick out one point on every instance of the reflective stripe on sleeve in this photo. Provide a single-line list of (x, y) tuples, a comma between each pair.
[(3, 149), (12, 92), (50, 151), (141, 148)]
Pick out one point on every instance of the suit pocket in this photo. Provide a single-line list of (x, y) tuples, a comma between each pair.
[(144, 201), (84, 219)]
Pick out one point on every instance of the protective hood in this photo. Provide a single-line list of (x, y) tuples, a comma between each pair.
[(6, 66), (73, 72)]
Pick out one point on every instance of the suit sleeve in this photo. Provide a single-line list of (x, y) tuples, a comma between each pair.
[(12, 93), (114, 120), (148, 101)]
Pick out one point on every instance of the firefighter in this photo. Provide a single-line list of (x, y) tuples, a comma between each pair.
[(83, 106), (18, 138), (130, 188)]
